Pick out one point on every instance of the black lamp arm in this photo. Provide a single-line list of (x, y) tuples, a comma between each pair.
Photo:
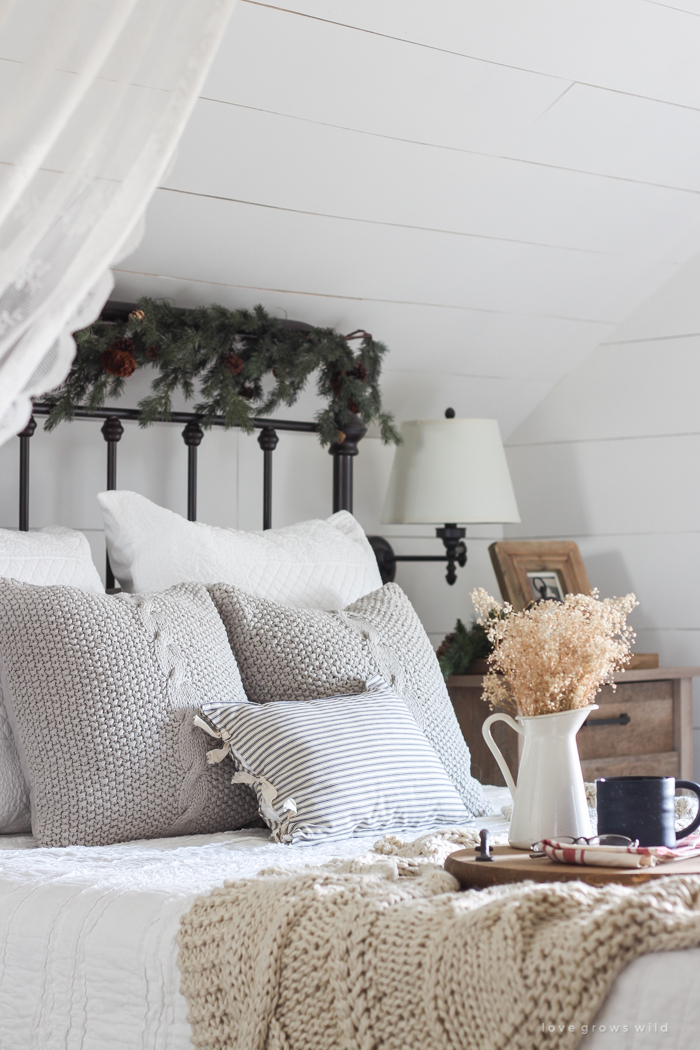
[(455, 553)]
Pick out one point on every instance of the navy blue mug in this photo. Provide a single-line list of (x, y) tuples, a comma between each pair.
[(642, 808)]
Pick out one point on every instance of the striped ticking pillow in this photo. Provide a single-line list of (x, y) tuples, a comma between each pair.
[(336, 767)]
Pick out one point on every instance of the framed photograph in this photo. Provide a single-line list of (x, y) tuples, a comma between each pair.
[(534, 570), (546, 586)]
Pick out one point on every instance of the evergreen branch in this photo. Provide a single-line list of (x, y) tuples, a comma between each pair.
[(221, 357), (462, 647)]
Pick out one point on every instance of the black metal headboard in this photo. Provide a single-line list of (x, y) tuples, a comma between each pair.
[(192, 434)]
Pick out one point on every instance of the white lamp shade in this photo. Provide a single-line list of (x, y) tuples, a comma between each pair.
[(450, 471)]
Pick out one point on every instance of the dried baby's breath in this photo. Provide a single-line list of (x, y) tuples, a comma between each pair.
[(553, 656)]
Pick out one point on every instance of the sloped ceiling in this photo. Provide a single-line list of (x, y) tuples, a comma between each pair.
[(489, 186)]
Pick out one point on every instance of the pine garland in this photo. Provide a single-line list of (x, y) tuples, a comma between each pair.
[(221, 356)]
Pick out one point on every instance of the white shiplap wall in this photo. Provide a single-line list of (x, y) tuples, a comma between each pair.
[(611, 459), (489, 188)]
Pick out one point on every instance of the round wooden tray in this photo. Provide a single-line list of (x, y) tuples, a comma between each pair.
[(514, 865)]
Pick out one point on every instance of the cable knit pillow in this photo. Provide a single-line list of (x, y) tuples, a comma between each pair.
[(333, 768), (315, 564), (304, 654), (52, 555), (101, 691)]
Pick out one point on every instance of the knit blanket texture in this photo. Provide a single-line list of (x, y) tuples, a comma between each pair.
[(383, 953)]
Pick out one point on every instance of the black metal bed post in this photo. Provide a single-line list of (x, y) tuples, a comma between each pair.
[(267, 439), (112, 431), (24, 437), (192, 436), (343, 450)]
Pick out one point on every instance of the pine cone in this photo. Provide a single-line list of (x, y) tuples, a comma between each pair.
[(354, 407), (118, 359), (337, 383), (234, 363), (247, 392), (360, 372), (137, 315), (153, 352), (125, 344), (445, 645)]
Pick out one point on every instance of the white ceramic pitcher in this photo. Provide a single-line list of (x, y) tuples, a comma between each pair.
[(549, 799)]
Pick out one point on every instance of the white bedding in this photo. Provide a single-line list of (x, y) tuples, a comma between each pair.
[(88, 953)]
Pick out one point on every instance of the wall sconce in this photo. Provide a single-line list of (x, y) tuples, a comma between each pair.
[(446, 471)]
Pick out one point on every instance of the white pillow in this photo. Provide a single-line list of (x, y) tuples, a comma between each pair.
[(336, 767), (313, 565), (50, 556)]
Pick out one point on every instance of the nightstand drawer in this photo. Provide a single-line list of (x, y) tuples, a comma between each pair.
[(646, 726), (659, 764)]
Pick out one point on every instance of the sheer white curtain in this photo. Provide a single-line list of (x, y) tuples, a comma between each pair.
[(94, 95)]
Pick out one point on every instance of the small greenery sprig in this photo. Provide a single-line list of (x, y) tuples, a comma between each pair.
[(221, 357), (462, 647)]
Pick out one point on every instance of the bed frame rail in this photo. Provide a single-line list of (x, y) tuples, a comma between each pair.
[(112, 430)]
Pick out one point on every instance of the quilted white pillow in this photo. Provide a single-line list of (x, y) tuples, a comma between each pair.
[(50, 556), (313, 565)]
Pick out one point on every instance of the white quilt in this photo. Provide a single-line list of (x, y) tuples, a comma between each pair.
[(88, 954)]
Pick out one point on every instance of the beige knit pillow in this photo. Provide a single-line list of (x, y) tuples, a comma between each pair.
[(305, 654), (101, 691)]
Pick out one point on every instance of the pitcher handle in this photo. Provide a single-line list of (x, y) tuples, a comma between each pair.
[(494, 748)]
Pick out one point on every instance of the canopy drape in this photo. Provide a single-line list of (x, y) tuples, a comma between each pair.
[(95, 95)]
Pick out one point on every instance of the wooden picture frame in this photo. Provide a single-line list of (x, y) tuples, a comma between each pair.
[(521, 566)]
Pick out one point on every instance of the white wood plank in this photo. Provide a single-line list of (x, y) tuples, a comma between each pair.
[(643, 47), (302, 481), (458, 342), (624, 390), (233, 152), (672, 311), (67, 468), (608, 488), (690, 6), (675, 648), (218, 472), (281, 62), (630, 138), (192, 237), (426, 395), (655, 568)]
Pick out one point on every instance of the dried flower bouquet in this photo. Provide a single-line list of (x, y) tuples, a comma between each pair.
[(553, 656)]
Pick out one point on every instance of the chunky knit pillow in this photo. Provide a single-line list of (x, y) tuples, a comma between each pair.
[(101, 691), (51, 555), (338, 767), (304, 654)]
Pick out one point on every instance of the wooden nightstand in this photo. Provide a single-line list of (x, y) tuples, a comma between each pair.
[(652, 734)]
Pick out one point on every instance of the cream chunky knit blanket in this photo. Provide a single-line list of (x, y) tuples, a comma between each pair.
[(382, 953)]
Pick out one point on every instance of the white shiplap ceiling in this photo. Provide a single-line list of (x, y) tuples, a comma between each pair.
[(489, 186)]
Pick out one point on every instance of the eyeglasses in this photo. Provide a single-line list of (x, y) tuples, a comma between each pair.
[(537, 849)]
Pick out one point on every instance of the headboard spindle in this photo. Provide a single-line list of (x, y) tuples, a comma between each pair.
[(267, 439), (112, 431), (192, 436), (24, 437)]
